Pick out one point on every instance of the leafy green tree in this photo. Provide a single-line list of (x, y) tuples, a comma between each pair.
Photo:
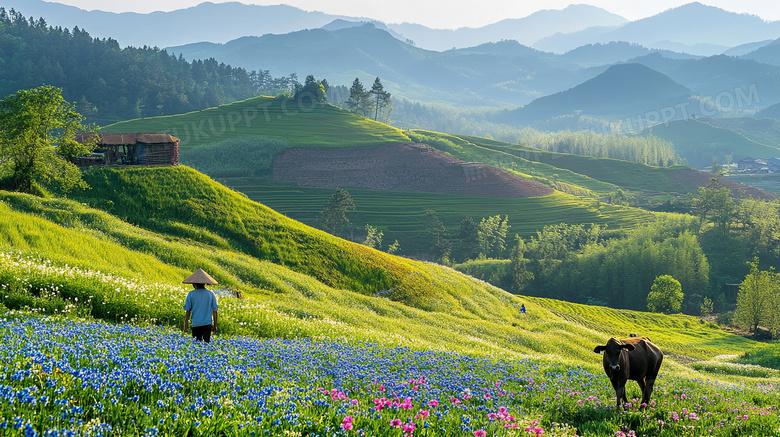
[(439, 241), (468, 234), (755, 298), (706, 306), (311, 91), (359, 100), (382, 100), (492, 233), (393, 248), (521, 276), (665, 295), (37, 127), (333, 217), (715, 203), (373, 237), (760, 222)]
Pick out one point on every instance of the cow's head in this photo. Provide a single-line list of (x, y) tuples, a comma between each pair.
[(612, 352)]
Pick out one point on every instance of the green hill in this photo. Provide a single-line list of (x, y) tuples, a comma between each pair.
[(298, 124), (699, 142), (297, 281)]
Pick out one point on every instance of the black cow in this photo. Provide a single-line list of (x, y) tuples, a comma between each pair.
[(636, 359)]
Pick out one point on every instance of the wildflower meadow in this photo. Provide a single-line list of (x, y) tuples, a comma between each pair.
[(68, 377)]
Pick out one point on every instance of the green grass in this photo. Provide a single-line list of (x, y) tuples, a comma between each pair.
[(401, 215), (699, 142), (299, 125), (595, 176)]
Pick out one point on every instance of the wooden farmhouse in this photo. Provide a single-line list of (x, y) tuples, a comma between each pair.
[(131, 149)]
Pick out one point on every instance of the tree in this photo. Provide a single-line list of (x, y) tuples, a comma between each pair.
[(755, 298), (373, 237), (521, 276), (715, 203), (665, 295), (359, 98), (333, 217), (439, 242), (468, 233), (382, 101), (393, 248), (312, 90), (36, 141), (492, 235)]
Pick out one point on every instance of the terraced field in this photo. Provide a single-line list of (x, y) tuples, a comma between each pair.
[(401, 215)]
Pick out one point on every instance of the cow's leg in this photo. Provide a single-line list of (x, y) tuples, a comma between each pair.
[(648, 390), (643, 388), (620, 392)]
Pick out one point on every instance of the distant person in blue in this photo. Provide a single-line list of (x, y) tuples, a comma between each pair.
[(522, 309), (201, 305)]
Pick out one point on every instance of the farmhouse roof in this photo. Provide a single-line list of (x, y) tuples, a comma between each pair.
[(119, 139)]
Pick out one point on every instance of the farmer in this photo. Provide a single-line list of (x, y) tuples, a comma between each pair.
[(201, 304), (522, 309)]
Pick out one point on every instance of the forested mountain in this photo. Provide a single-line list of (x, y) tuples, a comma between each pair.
[(496, 73), (217, 22), (624, 90), (722, 77), (110, 83)]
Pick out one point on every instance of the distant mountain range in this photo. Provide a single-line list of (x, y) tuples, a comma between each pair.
[(692, 28), (494, 73), (525, 30)]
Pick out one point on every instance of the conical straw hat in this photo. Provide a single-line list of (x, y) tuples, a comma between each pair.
[(199, 277)]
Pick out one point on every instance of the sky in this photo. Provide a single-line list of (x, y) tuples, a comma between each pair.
[(445, 13)]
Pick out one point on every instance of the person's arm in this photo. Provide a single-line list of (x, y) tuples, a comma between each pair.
[(216, 319), (187, 320)]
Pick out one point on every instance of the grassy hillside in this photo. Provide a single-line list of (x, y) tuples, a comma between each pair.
[(597, 175), (75, 263), (401, 215), (298, 124), (699, 142), (107, 268)]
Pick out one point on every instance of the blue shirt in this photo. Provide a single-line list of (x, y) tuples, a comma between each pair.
[(201, 302)]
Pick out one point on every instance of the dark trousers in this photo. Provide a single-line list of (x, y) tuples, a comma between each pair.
[(202, 333)]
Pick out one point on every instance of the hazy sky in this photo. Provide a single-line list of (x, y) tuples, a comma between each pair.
[(446, 13)]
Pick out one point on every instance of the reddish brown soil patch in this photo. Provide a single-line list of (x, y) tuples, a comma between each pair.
[(701, 179), (401, 167)]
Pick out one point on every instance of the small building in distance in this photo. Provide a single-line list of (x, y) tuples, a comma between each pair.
[(751, 164), (131, 149)]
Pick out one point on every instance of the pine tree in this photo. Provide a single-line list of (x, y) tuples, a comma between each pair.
[(381, 99)]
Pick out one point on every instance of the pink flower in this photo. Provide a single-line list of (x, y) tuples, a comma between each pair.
[(395, 423), (409, 427), (347, 423), (433, 403), (480, 433)]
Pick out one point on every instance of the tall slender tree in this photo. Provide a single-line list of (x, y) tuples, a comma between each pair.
[(381, 97), (359, 98)]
